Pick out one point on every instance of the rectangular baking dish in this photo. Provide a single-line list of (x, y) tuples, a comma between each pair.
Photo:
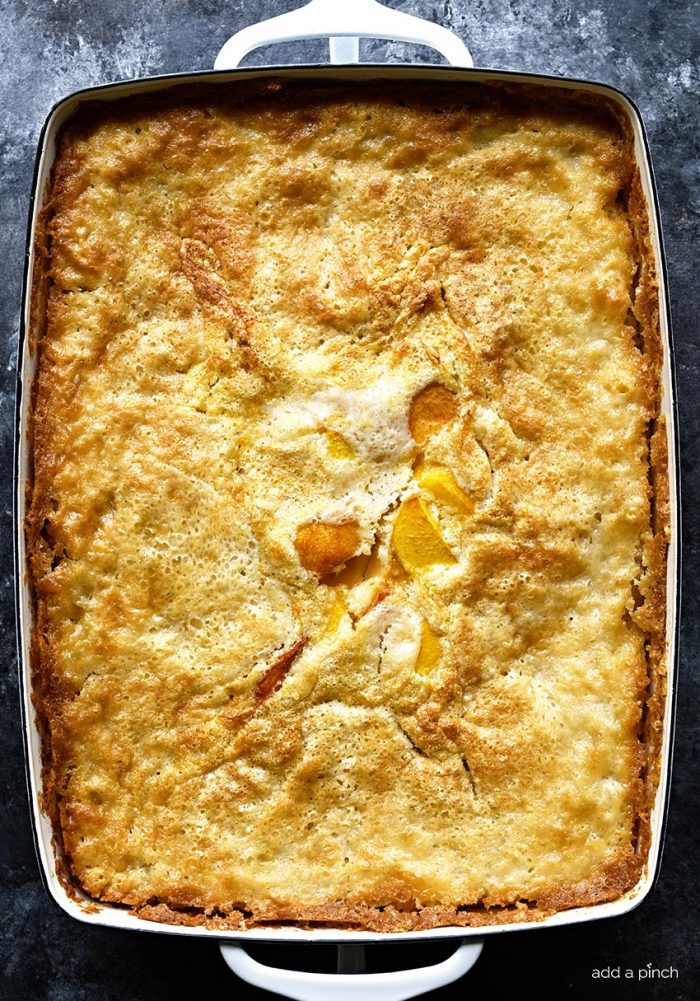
[(343, 48)]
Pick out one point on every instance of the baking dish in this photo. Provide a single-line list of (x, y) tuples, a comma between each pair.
[(341, 25)]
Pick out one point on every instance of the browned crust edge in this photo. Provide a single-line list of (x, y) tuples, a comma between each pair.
[(619, 876), (406, 916), (650, 618)]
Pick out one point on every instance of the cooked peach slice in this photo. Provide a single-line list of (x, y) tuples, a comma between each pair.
[(358, 568), (430, 410), (338, 446), (338, 610), (440, 482), (324, 546), (416, 537), (354, 571), (430, 650)]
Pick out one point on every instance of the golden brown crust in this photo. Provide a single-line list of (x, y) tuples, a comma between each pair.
[(607, 885), (462, 727)]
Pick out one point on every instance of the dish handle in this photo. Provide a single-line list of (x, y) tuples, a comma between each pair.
[(396, 986), (343, 24)]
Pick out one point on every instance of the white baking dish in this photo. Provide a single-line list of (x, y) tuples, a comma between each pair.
[(342, 24)]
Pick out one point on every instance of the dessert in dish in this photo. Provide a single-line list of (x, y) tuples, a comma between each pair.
[(348, 514)]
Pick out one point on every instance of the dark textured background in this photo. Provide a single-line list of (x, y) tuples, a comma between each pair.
[(651, 50)]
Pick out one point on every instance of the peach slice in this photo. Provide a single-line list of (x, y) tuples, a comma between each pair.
[(358, 568), (354, 571), (338, 446), (431, 409), (416, 537), (430, 650), (440, 482), (325, 546), (338, 610)]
